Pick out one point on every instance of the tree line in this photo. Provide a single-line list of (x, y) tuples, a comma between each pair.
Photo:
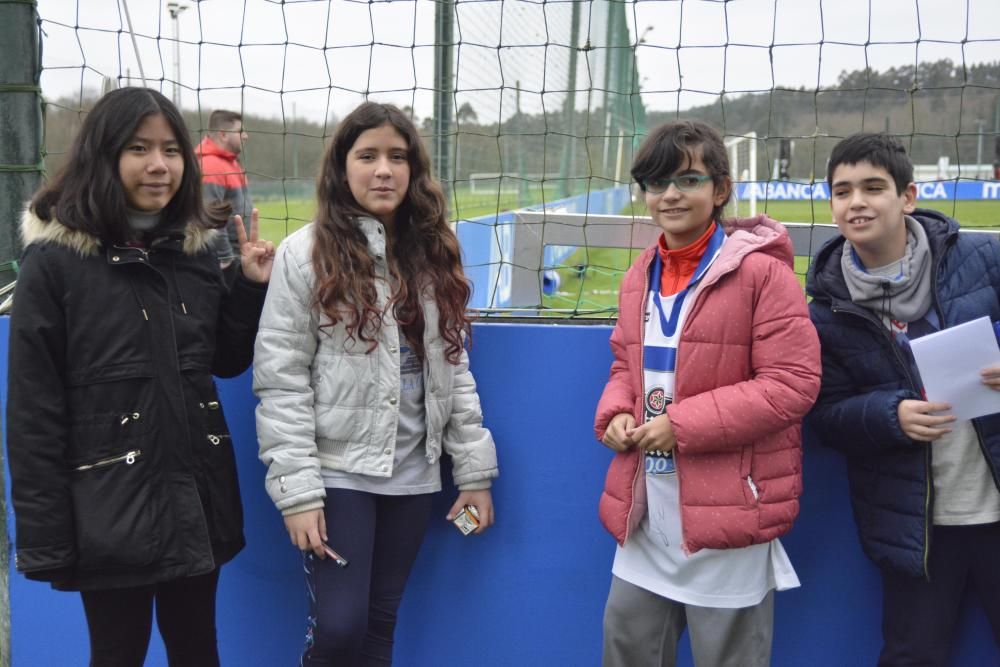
[(939, 107)]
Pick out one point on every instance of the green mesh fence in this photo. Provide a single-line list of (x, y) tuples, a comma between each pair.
[(540, 105)]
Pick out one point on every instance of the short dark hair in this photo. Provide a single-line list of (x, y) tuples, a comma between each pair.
[(877, 148), (222, 119), (672, 145), (87, 193)]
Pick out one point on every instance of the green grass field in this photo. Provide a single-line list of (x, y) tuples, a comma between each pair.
[(281, 217), (589, 277), (596, 287)]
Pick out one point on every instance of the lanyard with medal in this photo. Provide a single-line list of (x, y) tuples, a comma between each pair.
[(664, 357), (668, 325)]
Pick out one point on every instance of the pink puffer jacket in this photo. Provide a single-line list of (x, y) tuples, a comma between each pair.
[(748, 370)]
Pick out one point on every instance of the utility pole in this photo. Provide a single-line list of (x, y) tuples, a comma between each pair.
[(979, 148), (522, 185), (295, 146)]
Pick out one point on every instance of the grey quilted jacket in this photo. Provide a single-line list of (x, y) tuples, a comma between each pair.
[(326, 401)]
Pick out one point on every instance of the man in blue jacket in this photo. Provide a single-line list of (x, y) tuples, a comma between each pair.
[(925, 488)]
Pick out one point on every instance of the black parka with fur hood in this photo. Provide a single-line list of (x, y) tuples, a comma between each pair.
[(122, 466)]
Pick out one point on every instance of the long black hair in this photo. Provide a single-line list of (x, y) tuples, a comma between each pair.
[(87, 193)]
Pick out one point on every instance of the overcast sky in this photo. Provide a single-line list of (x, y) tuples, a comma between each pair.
[(267, 57)]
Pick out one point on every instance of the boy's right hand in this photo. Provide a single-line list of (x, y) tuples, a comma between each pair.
[(615, 437), (917, 422), (307, 530)]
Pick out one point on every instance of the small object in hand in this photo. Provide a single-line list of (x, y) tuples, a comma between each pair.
[(337, 558), (467, 520)]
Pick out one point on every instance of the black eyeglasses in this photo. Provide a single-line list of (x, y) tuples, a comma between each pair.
[(684, 183)]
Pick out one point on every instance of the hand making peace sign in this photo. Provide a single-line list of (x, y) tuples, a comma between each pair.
[(256, 255)]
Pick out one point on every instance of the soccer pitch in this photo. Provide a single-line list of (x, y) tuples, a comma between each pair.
[(281, 217), (588, 281)]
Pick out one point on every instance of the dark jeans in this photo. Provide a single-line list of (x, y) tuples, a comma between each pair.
[(352, 610), (918, 616), (120, 621)]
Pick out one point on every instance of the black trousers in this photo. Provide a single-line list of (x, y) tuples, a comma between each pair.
[(919, 616), (120, 621), (352, 610)]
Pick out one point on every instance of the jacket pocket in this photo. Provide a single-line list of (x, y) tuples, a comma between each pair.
[(345, 425), (106, 434), (214, 449), (116, 512), (751, 494)]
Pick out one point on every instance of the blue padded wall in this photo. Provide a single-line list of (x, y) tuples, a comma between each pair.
[(531, 590)]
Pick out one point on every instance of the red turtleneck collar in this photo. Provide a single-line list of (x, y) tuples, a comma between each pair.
[(679, 265)]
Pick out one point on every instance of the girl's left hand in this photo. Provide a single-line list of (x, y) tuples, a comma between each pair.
[(991, 377), (256, 254), (656, 434), (481, 500)]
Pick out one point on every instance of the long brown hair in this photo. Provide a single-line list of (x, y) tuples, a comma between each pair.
[(423, 255)]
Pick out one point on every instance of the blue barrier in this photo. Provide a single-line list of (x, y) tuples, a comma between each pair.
[(934, 190), (531, 590)]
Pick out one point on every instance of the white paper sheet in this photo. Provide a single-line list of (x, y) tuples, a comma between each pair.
[(949, 362)]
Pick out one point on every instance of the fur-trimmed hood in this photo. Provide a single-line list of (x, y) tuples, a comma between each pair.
[(36, 230)]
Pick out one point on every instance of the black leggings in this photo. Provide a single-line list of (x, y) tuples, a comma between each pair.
[(352, 610), (120, 621)]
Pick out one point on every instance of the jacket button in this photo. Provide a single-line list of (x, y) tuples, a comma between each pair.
[(385, 468), (114, 258), (392, 401), (284, 489), (282, 479), (387, 451)]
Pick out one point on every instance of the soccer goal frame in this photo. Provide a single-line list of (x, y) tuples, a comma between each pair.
[(743, 169)]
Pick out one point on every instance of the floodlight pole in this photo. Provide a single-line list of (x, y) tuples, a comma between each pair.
[(175, 9), (569, 106), (444, 90)]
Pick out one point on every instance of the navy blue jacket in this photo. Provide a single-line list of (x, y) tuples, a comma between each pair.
[(865, 376)]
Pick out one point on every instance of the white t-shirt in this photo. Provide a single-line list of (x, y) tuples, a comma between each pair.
[(653, 557)]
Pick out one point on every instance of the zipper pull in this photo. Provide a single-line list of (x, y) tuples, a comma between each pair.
[(214, 439), (213, 405), (125, 419), (130, 458), (753, 488)]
